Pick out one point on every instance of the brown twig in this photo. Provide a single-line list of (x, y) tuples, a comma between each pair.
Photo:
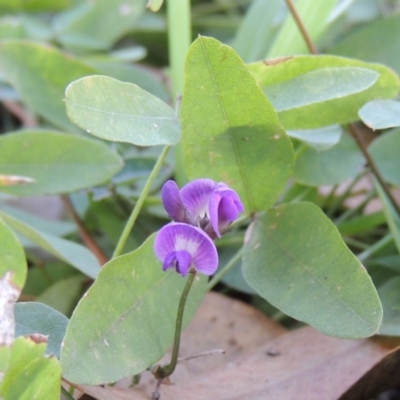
[(86, 237), (352, 128), (28, 121)]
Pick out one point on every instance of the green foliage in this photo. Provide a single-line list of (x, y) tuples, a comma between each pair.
[(121, 112), (381, 114), (295, 258), (389, 294), (138, 303), (31, 375), (230, 132), (55, 162)]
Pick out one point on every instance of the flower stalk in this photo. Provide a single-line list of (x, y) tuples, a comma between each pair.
[(167, 370)]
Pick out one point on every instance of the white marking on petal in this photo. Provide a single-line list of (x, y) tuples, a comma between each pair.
[(183, 243)]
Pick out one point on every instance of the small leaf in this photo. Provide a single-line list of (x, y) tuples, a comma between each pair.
[(319, 139), (389, 294), (385, 152), (381, 114), (319, 86), (138, 303), (296, 259), (38, 318), (40, 74), (230, 132), (12, 256), (121, 112), (30, 375), (55, 162), (313, 168), (70, 252), (281, 72)]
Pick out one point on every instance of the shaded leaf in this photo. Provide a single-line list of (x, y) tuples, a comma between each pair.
[(57, 163), (230, 132), (389, 294), (40, 74), (385, 152), (12, 256), (381, 114), (39, 318), (296, 260), (313, 168), (335, 111), (138, 303), (121, 112), (70, 252)]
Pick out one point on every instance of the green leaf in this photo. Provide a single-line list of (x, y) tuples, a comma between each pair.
[(230, 132), (97, 25), (38, 318), (57, 163), (295, 258), (30, 375), (33, 5), (12, 256), (381, 114), (392, 218), (70, 252), (319, 86), (41, 74), (279, 73), (138, 303), (373, 43), (314, 16), (319, 139), (313, 168), (154, 5), (256, 31), (64, 294), (385, 152), (389, 294), (121, 112)]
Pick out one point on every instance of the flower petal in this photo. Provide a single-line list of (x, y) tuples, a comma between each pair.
[(225, 206), (178, 237), (195, 197), (172, 201)]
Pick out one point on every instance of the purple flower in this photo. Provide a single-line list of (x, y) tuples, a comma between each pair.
[(183, 247), (204, 203)]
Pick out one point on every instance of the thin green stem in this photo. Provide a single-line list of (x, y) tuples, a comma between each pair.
[(136, 210), (231, 263), (168, 369), (379, 245), (67, 395)]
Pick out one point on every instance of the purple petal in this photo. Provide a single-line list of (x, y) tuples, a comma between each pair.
[(180, 260), (172, 201), (183, 238), (225, 206), (195, 197)]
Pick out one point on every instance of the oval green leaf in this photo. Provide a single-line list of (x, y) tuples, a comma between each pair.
[(138, 303), (280, 72), (34, 317), (381, 114), (385, 152), (57, 163), (230, 132), (320, 138), (12, 256), (41, 74), (121, 112), (70, 252), (295, 258)]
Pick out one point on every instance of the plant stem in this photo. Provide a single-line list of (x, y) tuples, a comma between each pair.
[(136, 210), (168, 369), (380, 244), (231, 263), (353, 130), (85, 235), (66, 394), (301, 27)]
